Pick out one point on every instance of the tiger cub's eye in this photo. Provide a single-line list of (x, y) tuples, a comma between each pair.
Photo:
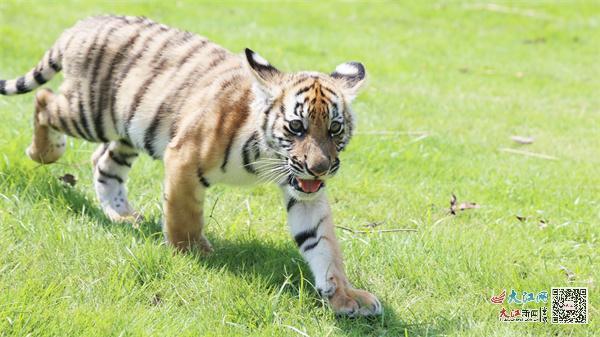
[(296, 126), (335, 127)]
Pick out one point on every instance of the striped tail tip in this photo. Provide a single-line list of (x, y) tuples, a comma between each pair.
[(22, 84), (42, 73)]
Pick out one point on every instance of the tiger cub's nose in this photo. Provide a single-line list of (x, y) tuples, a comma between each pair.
[(319, 168)]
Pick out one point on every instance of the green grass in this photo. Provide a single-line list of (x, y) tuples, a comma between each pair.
[(469, 74)]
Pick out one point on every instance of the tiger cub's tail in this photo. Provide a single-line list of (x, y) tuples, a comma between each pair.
[(48, 66)]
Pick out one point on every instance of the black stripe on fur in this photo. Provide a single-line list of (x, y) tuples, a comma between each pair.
[(150, 135), (21, 87), (312, 245), (117, 159), (39, 78), (226, 155), (291, 203), (203, 180), (250, 153), (55, 66), (309, 233), (82, 118), (110, 176), (64, 126)]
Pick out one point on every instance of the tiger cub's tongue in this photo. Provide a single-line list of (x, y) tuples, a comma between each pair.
[(309, 186)]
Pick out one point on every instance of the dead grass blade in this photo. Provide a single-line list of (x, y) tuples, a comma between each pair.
[(570, 275), (529, 154)]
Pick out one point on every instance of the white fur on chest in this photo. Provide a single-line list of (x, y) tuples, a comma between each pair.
[(234, 172)]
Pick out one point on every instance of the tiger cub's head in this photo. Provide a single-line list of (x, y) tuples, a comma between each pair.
[(307, 121)]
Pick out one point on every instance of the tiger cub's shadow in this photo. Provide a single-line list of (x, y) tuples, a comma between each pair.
[(274, 262)]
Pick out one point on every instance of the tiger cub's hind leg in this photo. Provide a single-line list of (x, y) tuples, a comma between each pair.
[(48, 143), (112, 162)]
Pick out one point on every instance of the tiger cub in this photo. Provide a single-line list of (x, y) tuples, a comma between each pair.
[(134, 85)]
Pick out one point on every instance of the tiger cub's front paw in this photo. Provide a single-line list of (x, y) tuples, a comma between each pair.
[(355, 302), (183, 244)]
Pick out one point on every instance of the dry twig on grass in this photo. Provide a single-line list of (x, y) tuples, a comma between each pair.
[(391, 230)]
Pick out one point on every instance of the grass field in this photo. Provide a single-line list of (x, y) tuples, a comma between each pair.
[(467, 75)]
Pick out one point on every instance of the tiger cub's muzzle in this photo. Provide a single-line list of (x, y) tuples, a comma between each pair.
[(309, 177)]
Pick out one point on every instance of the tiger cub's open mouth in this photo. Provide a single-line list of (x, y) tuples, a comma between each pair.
[(306, 185)]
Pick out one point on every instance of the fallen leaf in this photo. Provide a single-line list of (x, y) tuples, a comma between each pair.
[(68, 179), (462, 206), (522, 140), (570, 275)]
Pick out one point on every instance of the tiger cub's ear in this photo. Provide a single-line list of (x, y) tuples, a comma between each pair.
[(263, 71), (350, 76)]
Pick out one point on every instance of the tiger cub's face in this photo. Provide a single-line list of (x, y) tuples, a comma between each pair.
[(307, 123)]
